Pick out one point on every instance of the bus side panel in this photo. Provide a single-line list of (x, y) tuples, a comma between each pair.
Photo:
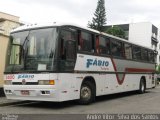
[(69, 86), (130, 83)]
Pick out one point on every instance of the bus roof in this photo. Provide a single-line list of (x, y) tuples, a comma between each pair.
[(54, 24)]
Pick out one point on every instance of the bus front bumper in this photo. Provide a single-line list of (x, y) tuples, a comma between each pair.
[(34, 93)]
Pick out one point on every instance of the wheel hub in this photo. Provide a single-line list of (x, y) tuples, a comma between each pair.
[(85, 93)]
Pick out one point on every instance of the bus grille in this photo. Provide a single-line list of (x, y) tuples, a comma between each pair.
[(27, 83)]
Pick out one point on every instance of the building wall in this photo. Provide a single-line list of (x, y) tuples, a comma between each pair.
[(3, 47), (140, 33), (9, 17), (143, 33), (7, 23), (7, 26), (158, 47)]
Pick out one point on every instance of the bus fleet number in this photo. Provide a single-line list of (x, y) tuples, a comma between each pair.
[(10, 77)]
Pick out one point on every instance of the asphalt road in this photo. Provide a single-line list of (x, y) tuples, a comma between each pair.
[(124, 103)]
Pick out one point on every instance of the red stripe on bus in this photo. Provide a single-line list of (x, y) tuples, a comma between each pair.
[(138, 70), (120, 82), (115, 69)]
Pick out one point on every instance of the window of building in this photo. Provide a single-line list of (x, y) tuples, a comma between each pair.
[(154, 45), (128, 51), (104, 45), (126, 34), (116, 48), (136, 53)]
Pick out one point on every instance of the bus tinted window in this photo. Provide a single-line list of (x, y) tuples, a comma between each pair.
[(68, 39), (151, 56), (144, 54), (136, 53), (128, 51), (116, 48), (86, 42), (104, 46)]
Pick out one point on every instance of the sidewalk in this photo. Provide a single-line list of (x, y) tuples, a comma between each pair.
[(4, 101)]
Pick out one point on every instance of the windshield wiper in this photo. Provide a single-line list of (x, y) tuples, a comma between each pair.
[(26, 39), (23, 49)]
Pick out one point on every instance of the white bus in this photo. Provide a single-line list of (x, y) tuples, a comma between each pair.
[(61, 62)]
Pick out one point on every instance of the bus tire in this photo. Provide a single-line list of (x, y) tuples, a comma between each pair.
[(142, 86), (87, 93)]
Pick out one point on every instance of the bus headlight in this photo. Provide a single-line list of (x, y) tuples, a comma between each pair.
[(46, 82), (8, 82)]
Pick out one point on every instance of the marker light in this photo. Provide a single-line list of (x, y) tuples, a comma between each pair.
[(8, 82), (51, 82), (46, 82)]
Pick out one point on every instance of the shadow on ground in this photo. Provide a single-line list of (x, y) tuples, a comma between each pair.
[(67, 104)]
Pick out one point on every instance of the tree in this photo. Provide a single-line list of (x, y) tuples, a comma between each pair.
[(99, 19), (158, 69), (116, 31)]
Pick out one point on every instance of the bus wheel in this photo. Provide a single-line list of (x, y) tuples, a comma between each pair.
[(142, 86), (87, 93)]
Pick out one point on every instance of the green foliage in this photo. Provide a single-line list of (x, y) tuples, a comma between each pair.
[(116, 31), (99, 19), (158, 69)]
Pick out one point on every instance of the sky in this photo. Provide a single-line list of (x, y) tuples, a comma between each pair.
[(81, 11)]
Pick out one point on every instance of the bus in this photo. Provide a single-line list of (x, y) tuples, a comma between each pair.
[(62, 62)]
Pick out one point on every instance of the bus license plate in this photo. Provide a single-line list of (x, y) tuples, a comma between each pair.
[(25, 92)]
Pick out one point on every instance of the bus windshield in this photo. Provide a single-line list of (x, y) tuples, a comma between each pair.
[(32, 50)]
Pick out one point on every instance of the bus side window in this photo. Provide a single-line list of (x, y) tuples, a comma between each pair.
[(128, 51), (144, 54), (68, 39), (86, 41), (136, 53), (117, 48), (97, 45), (68, 45), (151, 56), (104, 46)]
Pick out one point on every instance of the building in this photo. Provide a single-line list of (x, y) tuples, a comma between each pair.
[(7, 23), (142, 33), (3, 46)]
